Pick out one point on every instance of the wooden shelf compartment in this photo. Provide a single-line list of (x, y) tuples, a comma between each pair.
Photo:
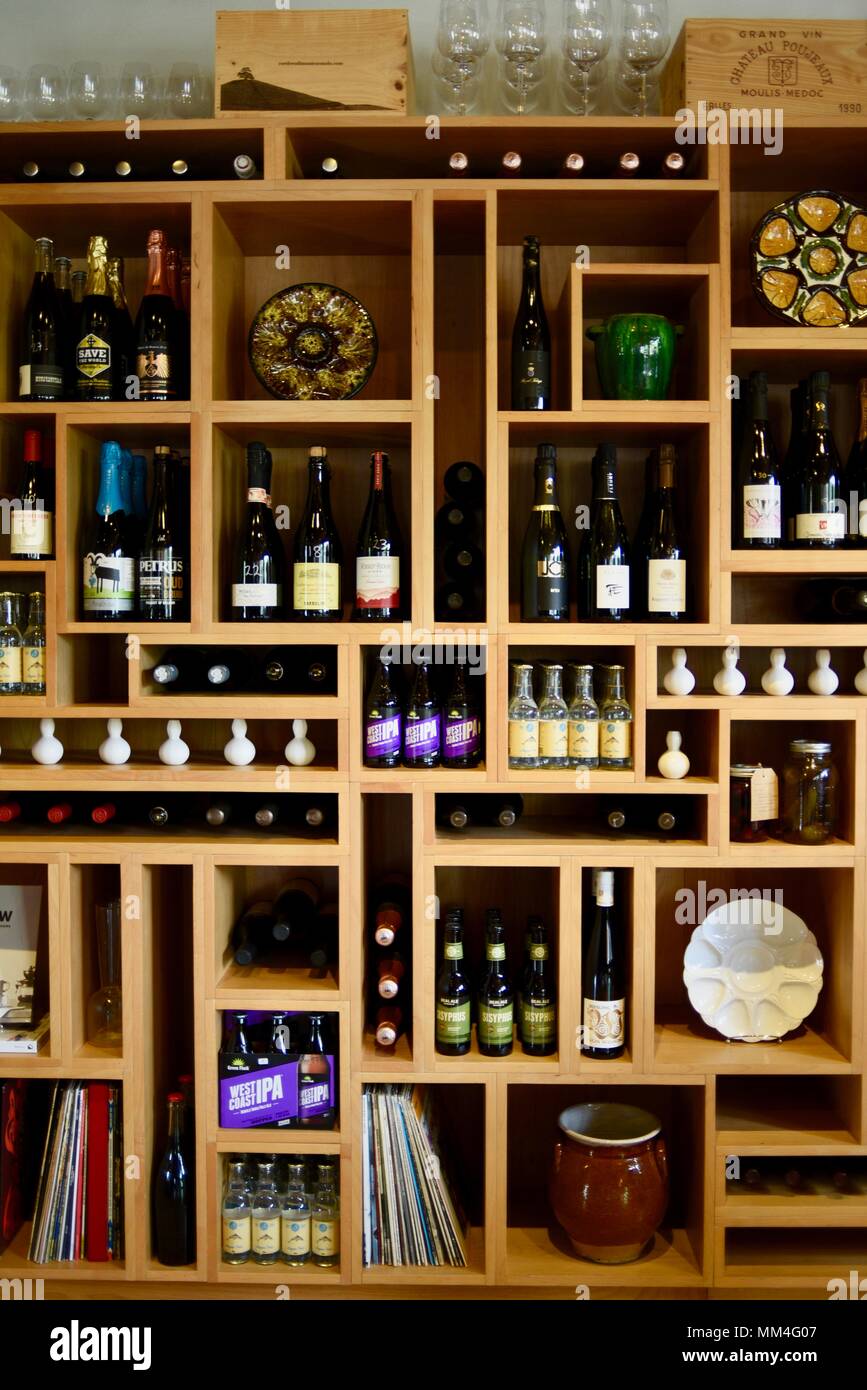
[(577, 439), (772, 1201), (349, 445), (402, 148), (563, 822), (461, 367), (465, 1116), (807, 1114), (786, 600), (700, 731), (232, 886), (91, 883), (92, 672), (206, 770), (408, 649), (365, 246), (704, 660), (812, 156), (208, 146), (26, 577), (46, 873), (385, 834), (790, 1257), (537, 1250), (12, 430), (827, 898), (324, 700), (70, 215)]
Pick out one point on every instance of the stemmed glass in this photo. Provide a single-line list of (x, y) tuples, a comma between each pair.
[(185, 90), (46, 92), (140, 91), (586, 40), (463, 39), (644, 36), (88, 90), (105, 1005), (10, 94), (521, 43)]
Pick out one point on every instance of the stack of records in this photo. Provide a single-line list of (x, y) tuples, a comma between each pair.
[(78, 1201), (410, 1216)]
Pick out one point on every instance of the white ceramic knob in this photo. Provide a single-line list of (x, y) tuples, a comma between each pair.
[(240, 750), (777, 680), (729, 680), (174, 752), (47, 749), (673, 763), (299, 750), (679, 680), (823, 681), (115, 748)]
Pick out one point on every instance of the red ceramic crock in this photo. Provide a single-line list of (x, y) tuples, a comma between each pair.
[(609, 1182)]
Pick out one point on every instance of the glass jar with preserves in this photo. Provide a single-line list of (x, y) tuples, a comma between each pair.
[(743, 829), (810, 782)]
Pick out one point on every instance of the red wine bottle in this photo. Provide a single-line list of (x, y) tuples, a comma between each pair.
[(103, 813), (820, 521), (257, 578), (761, 491), (32, 524), (378, 552)]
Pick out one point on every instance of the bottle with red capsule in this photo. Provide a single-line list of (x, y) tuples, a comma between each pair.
[(9, 811), (103, 813)]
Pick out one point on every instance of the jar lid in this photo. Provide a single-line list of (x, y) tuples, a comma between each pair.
[(804, 745), (600, 1122), (745, 769)]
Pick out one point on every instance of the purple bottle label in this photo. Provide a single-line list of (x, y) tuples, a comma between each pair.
[(462, 738), (315, 1094), (422, 737), (382, 736)]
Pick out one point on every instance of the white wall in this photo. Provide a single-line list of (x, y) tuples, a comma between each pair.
[(60, 31)]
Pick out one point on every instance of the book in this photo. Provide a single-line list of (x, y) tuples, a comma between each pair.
[(12, 1097), (20, 920), (18, 1039), (78, 1210)]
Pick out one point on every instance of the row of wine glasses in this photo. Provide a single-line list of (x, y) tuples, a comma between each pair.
[(89, 91), (521, 41)]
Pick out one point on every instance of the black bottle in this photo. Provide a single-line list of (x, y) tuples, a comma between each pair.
[(453, 1029), (383, 720), (422, 728), (462, 728), (531, 339)]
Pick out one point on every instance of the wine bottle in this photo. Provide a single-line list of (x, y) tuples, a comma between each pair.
[(820, 521), (123, 331), (603, 565), (390, 971), (537, 1021), (665, 557), (464, 563), (159, 816), (78, 287), (123, 169), (180, 331), (390, 909), (383, 720), (173, 1204), (465, 482), (41, 371), (68, 319), (318, 554), (604, 1009), (628, 165), (329, 168), (511, 165), (257, 579), (244, 166), (388, 1025), (458, 165), (219, 813), (496, 997), (267, 815), (455, 600), (507, 811), (462, 730), (297, 669), (60, 813), (545, 556), (616, 819), (30, 169), (378, 552), (180, 671), (531, 339), (761, 490), (162, 564), (77, 170), (155, 328), (456, 813), (32, 524), (572, 166), (9, 811), (252, 934), (422, 724), (856, 474), (453, 1027), (95, 347), (180, 168), (454, 523), (295, 910), (672, 165), (103, 813), (108, 579)]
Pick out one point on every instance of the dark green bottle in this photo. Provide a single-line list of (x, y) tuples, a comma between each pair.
[(496, 997), (453, 1003), (531, 339), (538, 1012)]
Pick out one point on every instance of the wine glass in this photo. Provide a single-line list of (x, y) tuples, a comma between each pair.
[(10, 94), (586, 40), (185, 90), (627, 88), (463, 39), (88, 90), (140, 91), (46, 92), (644, 36), (458, 95), (521, 43)]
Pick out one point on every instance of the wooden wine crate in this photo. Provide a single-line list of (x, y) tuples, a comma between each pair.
[(804, 67), (313, 60)]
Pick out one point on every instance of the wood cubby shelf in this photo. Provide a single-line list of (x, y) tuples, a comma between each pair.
[(437, 262)]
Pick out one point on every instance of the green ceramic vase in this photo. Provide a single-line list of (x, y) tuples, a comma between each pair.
[(635, 356)]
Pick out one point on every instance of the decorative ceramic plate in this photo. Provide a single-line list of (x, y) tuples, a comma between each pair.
[(312, 343), (808, 260), (753, 970)]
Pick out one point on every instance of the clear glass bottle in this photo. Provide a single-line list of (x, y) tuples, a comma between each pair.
[(10, 647), (295, 1218), (553, 720), (237, 1222), (583, 721), (266, 1216), (810, 784), (325, 1227), (33, 648), (615, 722), (523, 720)]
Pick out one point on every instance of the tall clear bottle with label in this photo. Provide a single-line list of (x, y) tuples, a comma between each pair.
[(108, 567), (295, 1219), (237, 1223), (761, 518), (553, 720), (523, 720), (603, 564), (265, 1215), (10, 647), (33, 648), (583, 721), (665, 557), (316, 572), (325, 1224), (378, 552), (615, 722), (820, 520), (604, 1007)]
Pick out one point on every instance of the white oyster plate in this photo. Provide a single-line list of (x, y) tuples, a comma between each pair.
[(753, 970)]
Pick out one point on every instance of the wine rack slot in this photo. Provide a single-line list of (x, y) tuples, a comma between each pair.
[(825, 898), (810, 1257), (386, 901), (796, 599), (364, 249), (819, 1188), (92, 674), (538, 1250), (566, 821), (207, 148), (12, 431), (94, 886), (298, 681)]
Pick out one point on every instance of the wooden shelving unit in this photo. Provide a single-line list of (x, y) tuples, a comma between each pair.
[(437, 262)]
